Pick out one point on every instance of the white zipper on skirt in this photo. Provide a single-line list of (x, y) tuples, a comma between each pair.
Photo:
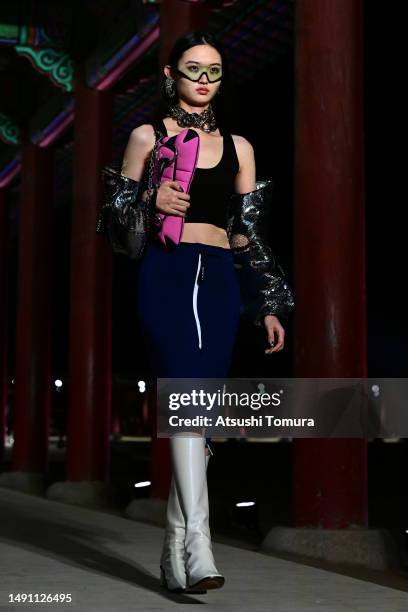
[(195, 292)]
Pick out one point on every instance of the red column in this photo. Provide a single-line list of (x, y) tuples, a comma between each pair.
[(176, 18), (33, 382), (4, 319), (160, 465), (330, 479), (90, 363)]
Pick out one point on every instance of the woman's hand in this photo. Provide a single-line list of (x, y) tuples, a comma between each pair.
[(171, 199), (273, 327)]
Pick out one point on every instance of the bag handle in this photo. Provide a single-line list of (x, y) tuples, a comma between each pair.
[(158, 135), (151, 194)]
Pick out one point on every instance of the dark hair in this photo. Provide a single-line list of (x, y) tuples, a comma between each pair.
[(188, 40)]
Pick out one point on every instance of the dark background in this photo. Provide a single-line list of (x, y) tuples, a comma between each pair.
[(263, 471)]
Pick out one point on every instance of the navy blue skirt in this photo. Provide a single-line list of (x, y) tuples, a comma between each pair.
[(188, 305)]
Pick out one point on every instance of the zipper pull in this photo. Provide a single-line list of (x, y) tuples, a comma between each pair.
[(201, 274)]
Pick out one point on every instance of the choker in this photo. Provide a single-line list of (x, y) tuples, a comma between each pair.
[(205, 120)]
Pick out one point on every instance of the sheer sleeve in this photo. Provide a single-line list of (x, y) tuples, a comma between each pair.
[(264, 288), (124, 206)]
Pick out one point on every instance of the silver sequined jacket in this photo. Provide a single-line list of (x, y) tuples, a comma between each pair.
[(264, 288)]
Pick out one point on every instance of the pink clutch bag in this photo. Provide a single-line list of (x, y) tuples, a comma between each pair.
[(176, 160)]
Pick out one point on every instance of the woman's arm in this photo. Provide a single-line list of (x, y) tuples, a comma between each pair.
[(266, 296), (137, 153), (245, 180), (140, 145)]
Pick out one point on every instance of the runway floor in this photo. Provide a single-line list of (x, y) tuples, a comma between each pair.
[(110, 563)]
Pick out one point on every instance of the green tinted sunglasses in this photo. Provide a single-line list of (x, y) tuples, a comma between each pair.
[(194, 72)]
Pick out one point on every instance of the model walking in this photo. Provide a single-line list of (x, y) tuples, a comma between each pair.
[(190, 298)]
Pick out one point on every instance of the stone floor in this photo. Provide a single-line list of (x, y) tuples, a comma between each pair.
[(110, 563)]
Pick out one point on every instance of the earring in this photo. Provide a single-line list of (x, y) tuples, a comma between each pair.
[(170, 87)]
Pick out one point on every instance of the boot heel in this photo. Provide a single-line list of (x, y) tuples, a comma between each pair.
[(208, 583)]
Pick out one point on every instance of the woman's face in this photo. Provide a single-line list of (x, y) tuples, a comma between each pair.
[(191, 64)]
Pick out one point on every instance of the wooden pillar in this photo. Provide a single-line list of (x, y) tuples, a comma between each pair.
[(176, 18), (4, 318), (90, 361), (330, 479), (33, 384)]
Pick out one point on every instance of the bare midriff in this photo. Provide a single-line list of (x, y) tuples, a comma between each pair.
[(206, 233)]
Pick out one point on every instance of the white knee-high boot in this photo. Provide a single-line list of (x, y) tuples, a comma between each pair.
[(189, 469), (172, 560)]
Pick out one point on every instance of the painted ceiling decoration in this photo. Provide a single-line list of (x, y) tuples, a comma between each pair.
[(51, 119), (254, 34), (214, 4), (123, 49), (9, 132), (9, 169), (54, 63), (34, 23)]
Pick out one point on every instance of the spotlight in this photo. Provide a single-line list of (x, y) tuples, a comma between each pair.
[(9, 441), (142, 483), (375, 390)]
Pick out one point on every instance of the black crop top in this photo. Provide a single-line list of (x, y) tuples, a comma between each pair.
[(211, 187)]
